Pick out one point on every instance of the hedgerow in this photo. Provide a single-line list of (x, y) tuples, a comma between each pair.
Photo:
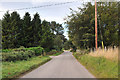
[(21, 53)]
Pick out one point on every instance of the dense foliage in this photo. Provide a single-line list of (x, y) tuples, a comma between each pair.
[(81, 25), (29, 32)]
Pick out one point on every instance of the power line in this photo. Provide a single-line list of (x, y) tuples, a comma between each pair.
[(39, 6)]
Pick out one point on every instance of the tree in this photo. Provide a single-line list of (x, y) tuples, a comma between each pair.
[(108, 13), (37, 29), (6, 31), (11, 25), (47, 37), (58, 43), (81, 25), (56, 28), (59, 29), (15, 27), (67, 45), (26, 31), (59, 38), (81, 29), (53, 26)]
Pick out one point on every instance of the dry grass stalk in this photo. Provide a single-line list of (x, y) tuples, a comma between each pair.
[(110, 53)]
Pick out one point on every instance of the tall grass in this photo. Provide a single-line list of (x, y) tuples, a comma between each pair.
[(109, 53), (100, 67)]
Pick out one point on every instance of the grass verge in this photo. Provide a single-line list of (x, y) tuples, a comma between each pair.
[(99, 66), (15, 69)]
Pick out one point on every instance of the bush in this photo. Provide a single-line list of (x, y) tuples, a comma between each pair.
[(38, 50), (22, 54), (15, 56), (6, 50)]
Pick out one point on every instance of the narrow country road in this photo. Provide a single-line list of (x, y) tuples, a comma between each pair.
[(62, 66)]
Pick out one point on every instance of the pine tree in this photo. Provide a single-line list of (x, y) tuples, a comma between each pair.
[(15, 27), (6, 31), (37, 29), (26, 31)]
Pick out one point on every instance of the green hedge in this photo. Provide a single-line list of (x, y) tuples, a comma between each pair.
[(21, 53), (38, 50)]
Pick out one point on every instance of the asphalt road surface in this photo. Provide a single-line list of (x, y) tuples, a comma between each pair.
[(62, 66)]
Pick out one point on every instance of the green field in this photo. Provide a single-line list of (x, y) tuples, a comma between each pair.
[(99, 66)]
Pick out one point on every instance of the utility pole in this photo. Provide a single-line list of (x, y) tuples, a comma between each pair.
[(95, 24)]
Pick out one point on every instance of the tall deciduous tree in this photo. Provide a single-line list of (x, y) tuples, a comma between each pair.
[(47, 36), (81, 25)]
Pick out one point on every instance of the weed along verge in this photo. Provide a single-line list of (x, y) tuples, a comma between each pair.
[(98, 66)]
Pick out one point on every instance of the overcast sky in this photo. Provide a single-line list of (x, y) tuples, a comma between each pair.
[(52, 13)]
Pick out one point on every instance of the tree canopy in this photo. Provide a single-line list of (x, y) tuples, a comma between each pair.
[(81, 25)]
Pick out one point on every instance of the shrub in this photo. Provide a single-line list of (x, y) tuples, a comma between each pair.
[(38, 50), (22, 53), (15, 56), (6, 50)]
